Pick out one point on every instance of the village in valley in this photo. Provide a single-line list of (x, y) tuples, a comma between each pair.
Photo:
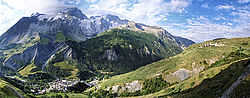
[(61, 85)]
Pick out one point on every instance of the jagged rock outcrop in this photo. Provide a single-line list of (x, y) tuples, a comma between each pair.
[(126, 87), (72, 22), (179, 75), (159, 32)]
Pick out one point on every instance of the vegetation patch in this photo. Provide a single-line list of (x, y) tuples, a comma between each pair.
[(62, 95), (44, 40), (15, 48), (61, 67), (242, 90), (6, 89), (100, 93), (132, 48), (233, 56), (78, 88), (216, 81), (60, 37), (29, 69)]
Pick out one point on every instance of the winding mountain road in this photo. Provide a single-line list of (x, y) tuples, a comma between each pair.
[(236, 83), (13, 89)]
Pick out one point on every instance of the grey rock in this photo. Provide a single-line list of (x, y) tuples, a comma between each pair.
[(110, 55)]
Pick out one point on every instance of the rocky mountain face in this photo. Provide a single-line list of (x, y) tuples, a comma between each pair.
[(38, 37), (36, 42), (128, 47), (159, 32), (121, 50), (72, 22)]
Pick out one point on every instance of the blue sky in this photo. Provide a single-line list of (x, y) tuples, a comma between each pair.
[(198, 20)]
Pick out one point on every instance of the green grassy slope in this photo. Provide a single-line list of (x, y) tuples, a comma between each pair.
[(209, 58), (63, 95), (65, 69), (113, 52), (133, 49), (15, 48), (30, 69), (214, 82)]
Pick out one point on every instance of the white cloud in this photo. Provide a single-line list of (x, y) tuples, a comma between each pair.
[(91, 1), (205, 5), (32, 6), (244, 16), (219, 18), (177, 5), (202, 29), (227, 7), (243, 1), (12, 10), (72, 2), (7, 18), (146, 11)]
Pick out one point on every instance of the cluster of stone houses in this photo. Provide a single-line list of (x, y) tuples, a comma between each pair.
[(57, 86), (61, 85)]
